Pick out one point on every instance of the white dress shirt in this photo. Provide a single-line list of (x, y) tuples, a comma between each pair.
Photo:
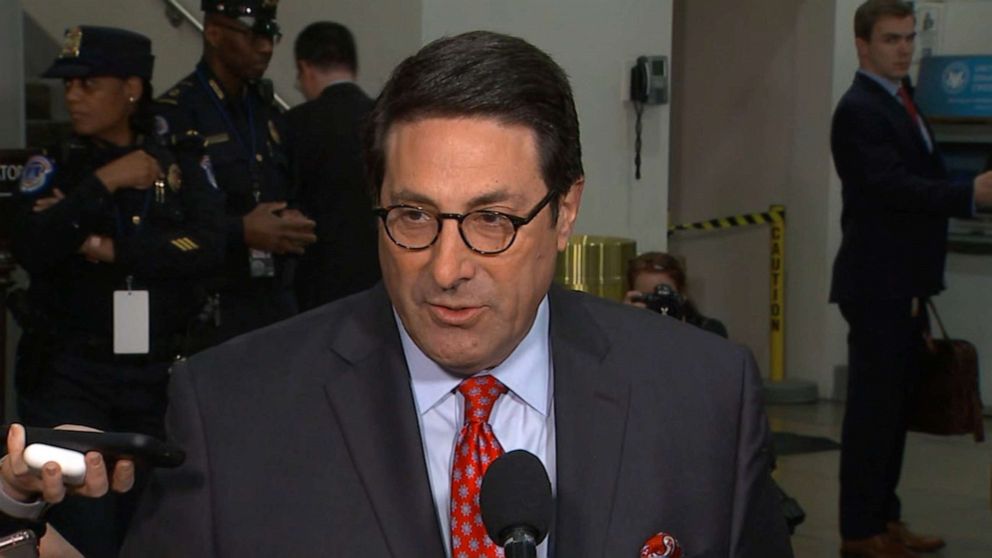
[(523, 418)]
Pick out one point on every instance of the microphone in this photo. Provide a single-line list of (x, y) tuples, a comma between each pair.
[(515, 501)]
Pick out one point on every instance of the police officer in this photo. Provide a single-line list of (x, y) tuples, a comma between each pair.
[(117, 232), (226, 100)]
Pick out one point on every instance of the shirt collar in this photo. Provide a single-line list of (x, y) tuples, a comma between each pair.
[(526, 372), (887, 84)]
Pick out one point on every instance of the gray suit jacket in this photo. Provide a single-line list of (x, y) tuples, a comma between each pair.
[(303, 440)]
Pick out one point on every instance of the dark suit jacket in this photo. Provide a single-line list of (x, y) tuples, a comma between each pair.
[(896, 200), (303, 440), (325, 148)]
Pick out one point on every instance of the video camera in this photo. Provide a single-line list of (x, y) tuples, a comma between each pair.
[(664, 300)]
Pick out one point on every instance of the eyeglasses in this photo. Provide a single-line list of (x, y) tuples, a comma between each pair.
[(484, 231), (267, 30)]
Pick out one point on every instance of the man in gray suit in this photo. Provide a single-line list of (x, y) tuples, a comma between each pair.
[(336, 433)]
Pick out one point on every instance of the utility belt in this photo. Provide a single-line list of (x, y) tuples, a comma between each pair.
[(101, 349)]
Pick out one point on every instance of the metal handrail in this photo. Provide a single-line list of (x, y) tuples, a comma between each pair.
[(176, 13)]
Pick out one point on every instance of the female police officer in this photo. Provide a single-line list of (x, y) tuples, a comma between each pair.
[(117, 234)]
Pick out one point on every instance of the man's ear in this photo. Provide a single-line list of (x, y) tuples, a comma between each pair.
[(861, 46), (211, 33), (568, 212)]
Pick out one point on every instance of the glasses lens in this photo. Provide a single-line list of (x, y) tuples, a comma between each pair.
[(488, 231), (411, 227)]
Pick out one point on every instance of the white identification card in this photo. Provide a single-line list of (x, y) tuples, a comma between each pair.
[(130, 322)]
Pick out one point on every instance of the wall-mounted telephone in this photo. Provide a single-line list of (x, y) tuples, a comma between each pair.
[(648, 86), (649, 80)]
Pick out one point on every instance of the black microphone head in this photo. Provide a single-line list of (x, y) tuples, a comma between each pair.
[(516, 493)]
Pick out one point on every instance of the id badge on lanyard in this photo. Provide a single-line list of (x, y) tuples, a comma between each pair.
[(131, 320)]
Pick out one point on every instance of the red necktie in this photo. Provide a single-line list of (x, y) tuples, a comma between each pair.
[(477, 448), (910, 107)]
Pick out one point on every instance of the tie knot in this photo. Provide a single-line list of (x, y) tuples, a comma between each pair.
[(480, 393)]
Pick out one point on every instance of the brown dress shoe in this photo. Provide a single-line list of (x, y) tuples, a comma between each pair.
[(881, 545), (914, 541)]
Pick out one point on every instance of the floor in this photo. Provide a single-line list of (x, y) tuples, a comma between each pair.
[(946, 485)]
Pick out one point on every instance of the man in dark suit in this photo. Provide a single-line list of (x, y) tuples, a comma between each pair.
[(337, 432), (325, 148), (897, 200)]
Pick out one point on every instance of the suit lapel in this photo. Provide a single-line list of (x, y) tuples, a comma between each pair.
[(375, 410), (590, 418), (898, 113)]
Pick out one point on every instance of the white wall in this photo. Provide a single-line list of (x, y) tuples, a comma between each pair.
[(595, 42), (175, 50), (967, 27), (12, 84)]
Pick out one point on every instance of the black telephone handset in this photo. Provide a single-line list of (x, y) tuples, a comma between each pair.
[(639, 80), (648, 80)]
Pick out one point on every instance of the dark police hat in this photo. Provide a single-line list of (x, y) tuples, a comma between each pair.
[(262, 9), (103, 51), (257, 15)]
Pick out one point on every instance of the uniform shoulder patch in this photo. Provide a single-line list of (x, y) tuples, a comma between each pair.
[(37, 175), (161, 125)]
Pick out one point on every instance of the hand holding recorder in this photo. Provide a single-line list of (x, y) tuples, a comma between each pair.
[(46, 479)]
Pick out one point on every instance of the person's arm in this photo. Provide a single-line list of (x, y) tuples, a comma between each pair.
[(867, 156), (196, 247), (50, 226), (758, 528), (175, 517)]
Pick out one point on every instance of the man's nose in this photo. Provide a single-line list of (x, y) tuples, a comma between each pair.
[(71, 90), (453, 262), (264, 44)]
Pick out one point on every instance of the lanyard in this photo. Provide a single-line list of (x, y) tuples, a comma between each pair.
[(230, 124), (119, 221)]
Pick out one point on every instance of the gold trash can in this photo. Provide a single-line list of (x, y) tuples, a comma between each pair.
[(596, 265)]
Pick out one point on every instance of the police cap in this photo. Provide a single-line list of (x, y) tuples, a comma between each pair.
[(262, 9), (103, 51), (257, 15)]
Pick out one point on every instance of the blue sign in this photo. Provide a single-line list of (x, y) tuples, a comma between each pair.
[(955, 86)]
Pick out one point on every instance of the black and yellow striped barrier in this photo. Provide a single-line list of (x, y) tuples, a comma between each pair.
[(775, 214), (775, 217)]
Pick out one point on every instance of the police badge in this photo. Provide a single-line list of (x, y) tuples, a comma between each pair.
[(70, 45)]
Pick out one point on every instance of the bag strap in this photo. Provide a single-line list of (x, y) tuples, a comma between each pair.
[(940, 323)]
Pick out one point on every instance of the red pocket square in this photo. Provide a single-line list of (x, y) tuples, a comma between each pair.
[(661, 545)]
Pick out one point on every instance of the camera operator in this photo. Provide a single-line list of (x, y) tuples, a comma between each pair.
[(657, 282)]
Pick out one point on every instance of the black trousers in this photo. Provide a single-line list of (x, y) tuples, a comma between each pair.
[(885, 349), (116, 396)]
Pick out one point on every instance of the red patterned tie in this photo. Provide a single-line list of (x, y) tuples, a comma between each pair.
[(910, 107), (477, 448)]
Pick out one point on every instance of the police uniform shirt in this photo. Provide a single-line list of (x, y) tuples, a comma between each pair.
[(243, 136), (166, 237)]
